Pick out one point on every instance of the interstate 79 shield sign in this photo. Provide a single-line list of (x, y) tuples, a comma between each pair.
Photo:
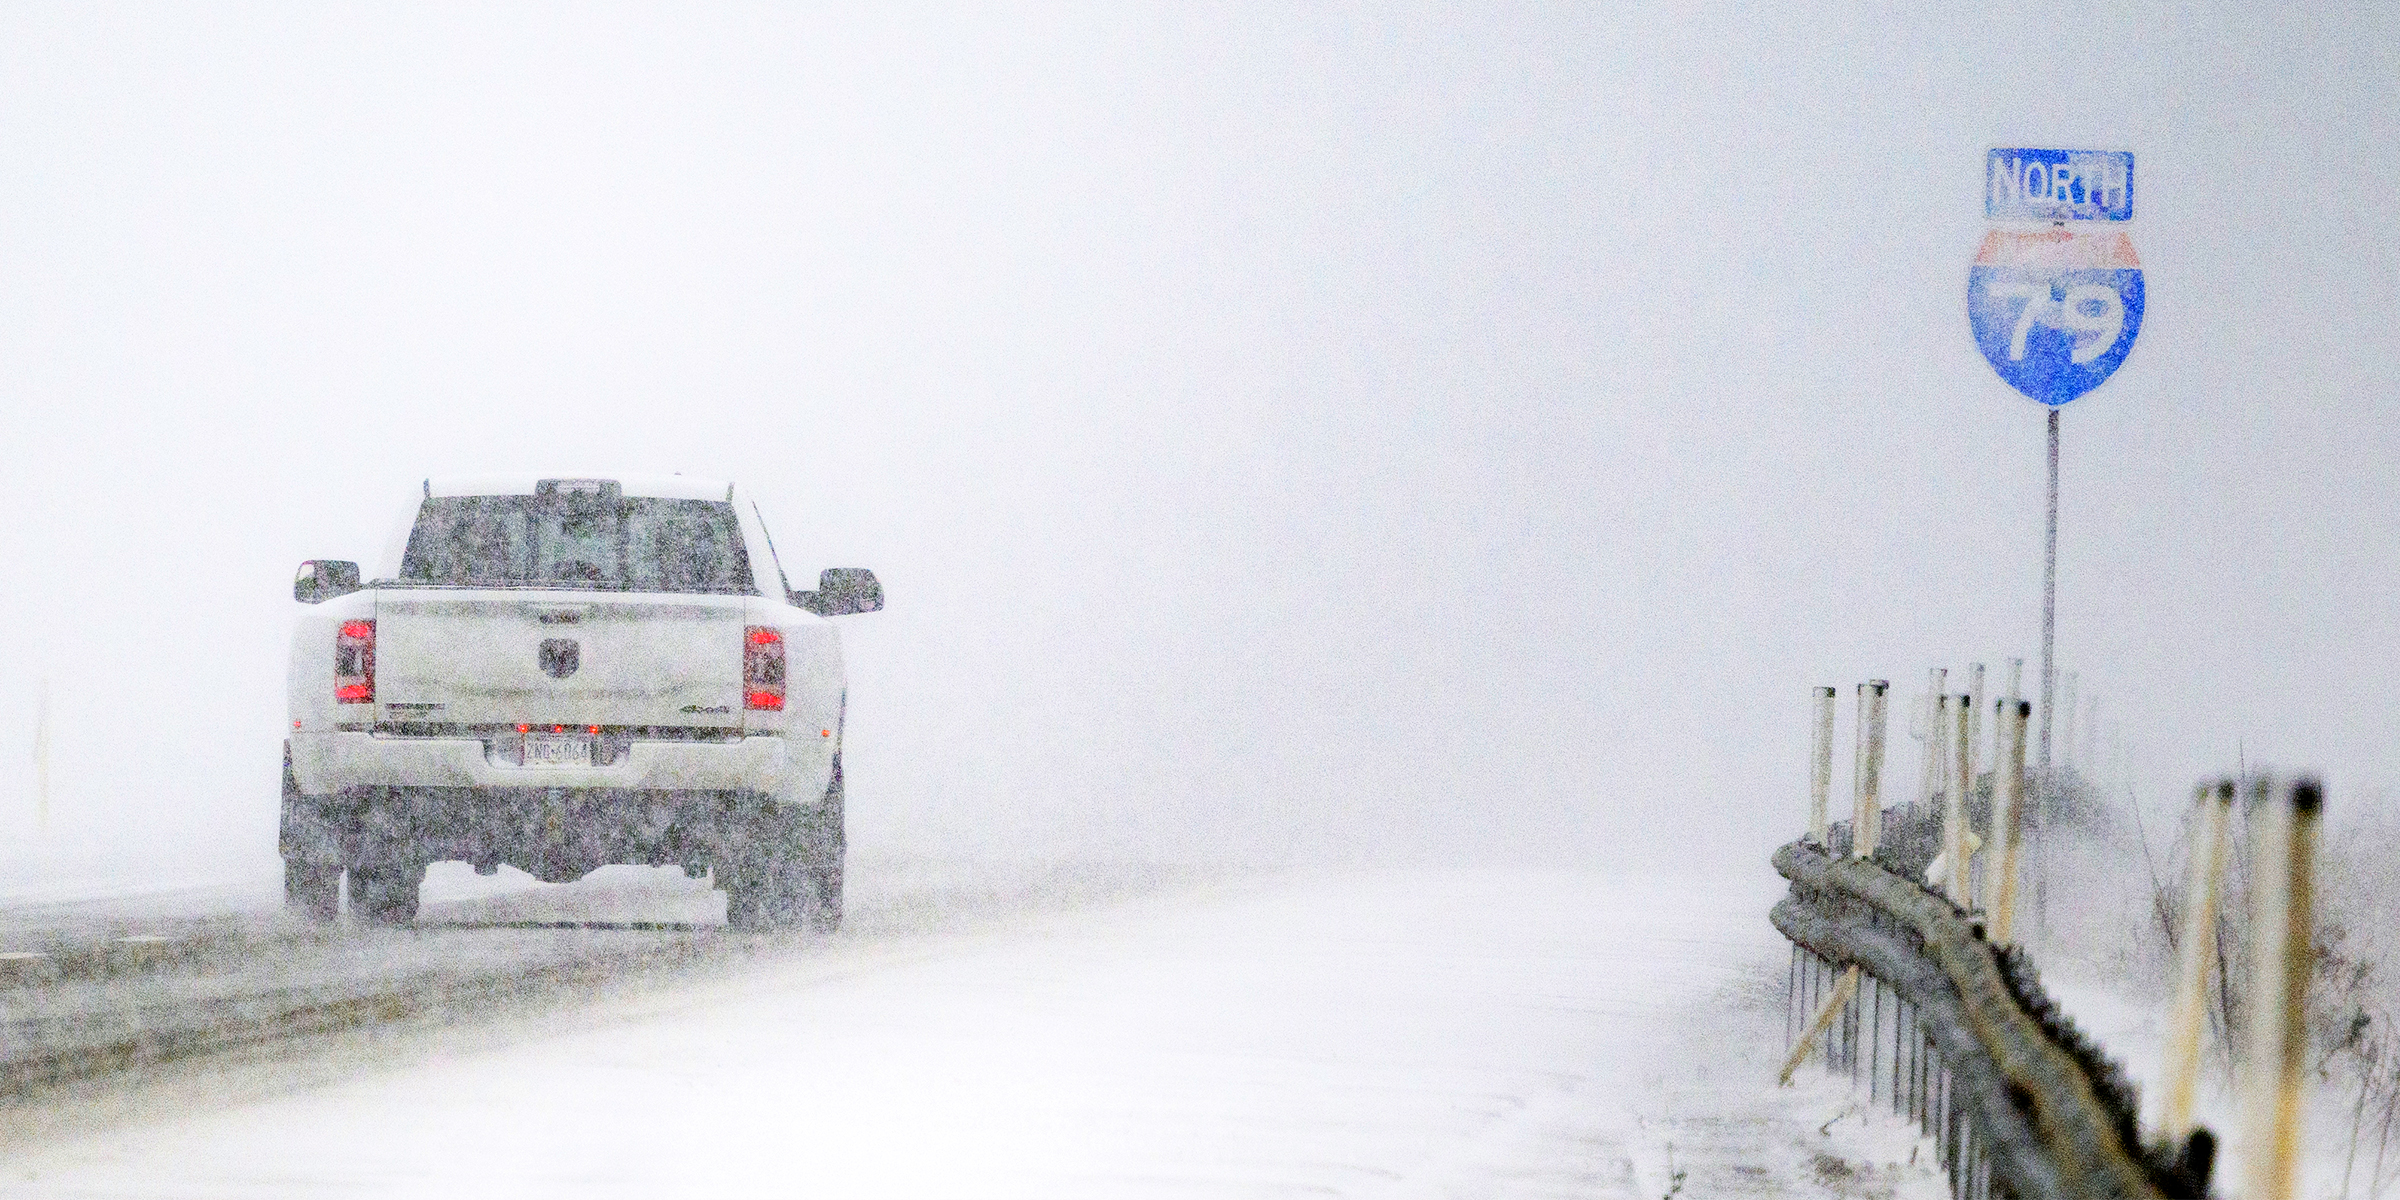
[(2055, 310)]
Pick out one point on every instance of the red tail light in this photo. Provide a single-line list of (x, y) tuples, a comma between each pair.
[(762, 669), (354, 663)]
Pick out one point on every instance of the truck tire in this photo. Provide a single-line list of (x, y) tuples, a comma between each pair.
[(786, 891), (312, 891), (796, 881), (385, 894), (763, 893), (821, 911), (311, 848)]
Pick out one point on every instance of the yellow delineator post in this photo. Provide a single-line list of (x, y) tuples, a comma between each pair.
[(2016, 691), (1866, 821), (2187, 1021), (1820, 765), (1934, 720), (1858, 766), (1955, 858), (1842, 992), (1962, 781), (1974, 719), (2008, 807), (2283, 844), (1875, 743)]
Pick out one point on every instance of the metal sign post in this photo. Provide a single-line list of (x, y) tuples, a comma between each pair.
[(2049, 597), (2055, 299)]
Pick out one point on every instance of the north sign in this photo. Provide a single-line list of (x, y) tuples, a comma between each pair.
[(2058, 185)]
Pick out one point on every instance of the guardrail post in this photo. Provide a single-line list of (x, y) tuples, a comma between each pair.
[(1900, 1027), (1937, 1114), (2008, 805), (1849, 1027), (1916, 1062), (1791, 994), (1875, 1042), (1922, 1107), (2283, 844), (1820, 759), (1950, 1139), (2187, 1021), (1902, 1023)]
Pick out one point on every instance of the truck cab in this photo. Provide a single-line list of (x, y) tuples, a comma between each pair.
[(563, 673)]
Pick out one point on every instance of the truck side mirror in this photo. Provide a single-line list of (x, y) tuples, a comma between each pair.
[(842, 591), (321, 579)]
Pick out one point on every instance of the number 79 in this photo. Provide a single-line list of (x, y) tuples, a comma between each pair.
[(2088, 308)]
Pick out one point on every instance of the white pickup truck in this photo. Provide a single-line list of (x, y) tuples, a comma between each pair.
[(560, 674)]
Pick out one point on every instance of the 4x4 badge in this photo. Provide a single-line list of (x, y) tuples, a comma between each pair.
[(560, 657)]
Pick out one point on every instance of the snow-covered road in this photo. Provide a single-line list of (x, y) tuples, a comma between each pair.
[(1457, 1033)]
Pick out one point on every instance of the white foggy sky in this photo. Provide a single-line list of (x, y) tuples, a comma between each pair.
[(1280, 429)]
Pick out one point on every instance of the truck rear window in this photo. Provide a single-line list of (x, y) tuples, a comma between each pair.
[(633, 544)]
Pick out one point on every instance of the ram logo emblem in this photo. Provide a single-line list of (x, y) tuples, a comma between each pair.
[(560, 657)]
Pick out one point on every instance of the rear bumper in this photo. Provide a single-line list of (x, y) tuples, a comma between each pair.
[(554, 834), (328, 762)]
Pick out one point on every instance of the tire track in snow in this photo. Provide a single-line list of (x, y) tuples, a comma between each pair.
[(219, 982)]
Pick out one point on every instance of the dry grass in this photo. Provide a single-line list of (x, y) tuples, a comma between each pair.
[(2128, 922)]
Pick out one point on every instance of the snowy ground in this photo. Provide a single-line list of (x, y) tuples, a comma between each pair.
[(1466, 1033)]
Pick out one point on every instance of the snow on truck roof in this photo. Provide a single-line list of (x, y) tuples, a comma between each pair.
[(664, 487)]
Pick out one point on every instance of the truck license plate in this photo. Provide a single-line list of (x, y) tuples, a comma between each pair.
[(557, 750)]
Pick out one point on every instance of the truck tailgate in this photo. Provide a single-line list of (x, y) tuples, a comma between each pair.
[(489, 657)]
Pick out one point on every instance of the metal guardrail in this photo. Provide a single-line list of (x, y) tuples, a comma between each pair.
[(1958, 1035)]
